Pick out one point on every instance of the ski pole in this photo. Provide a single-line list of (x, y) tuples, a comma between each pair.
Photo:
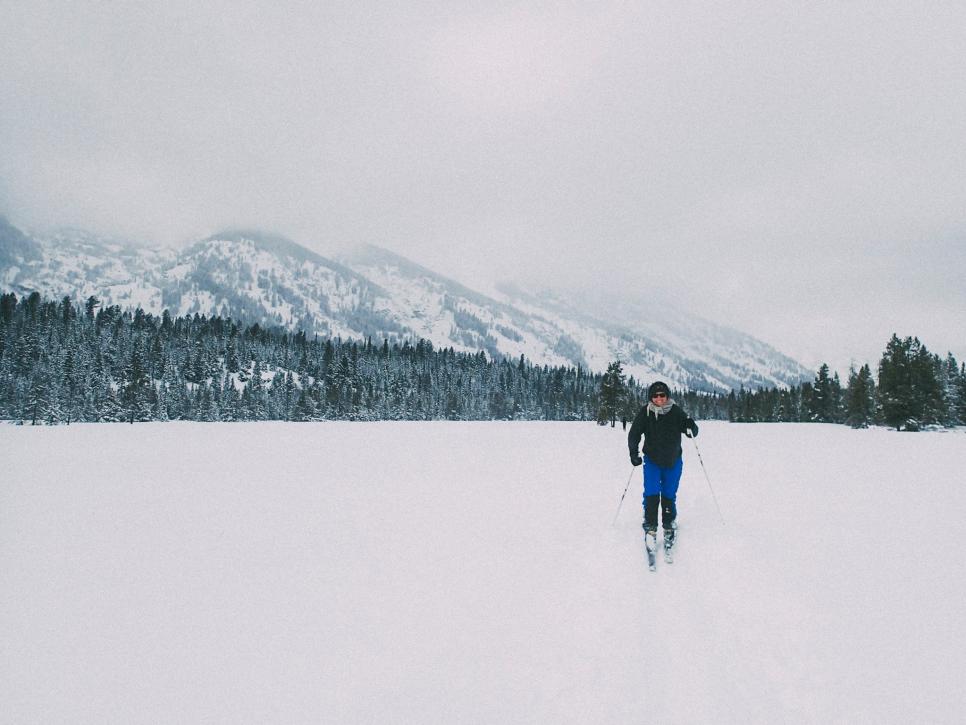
[(706, 478), (622, 496)]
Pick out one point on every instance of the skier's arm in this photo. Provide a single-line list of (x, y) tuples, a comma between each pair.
[(634, 436)]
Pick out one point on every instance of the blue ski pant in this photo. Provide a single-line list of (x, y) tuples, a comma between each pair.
[(661, 487)]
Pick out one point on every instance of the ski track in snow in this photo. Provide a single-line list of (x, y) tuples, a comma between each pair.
[(469, 572)]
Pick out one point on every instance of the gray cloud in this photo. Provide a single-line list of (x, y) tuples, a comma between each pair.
[(795, 170)]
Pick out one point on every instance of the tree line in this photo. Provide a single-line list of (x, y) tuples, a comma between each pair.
[(61, 362), (913, 389)]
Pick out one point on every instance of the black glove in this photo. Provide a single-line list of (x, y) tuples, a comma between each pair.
[(636, 460), (690, 428)]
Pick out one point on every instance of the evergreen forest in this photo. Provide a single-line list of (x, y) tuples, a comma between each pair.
[(61, 362)]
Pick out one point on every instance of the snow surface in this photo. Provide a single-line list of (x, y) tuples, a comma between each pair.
[(470, 572)]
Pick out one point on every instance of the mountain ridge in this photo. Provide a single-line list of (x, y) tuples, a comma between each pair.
[(372, 292)]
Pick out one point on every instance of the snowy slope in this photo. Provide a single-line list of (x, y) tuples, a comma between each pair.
[(452, 315), (270, 279), (440, 572), (258, 277), (685, 350), (76, 263), (654, 339)]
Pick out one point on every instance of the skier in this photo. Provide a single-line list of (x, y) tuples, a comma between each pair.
[(661, 422)]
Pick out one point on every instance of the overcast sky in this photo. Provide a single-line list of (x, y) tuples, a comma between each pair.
[(795, 170)]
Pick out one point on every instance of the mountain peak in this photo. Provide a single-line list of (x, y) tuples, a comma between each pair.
[(265, 241)]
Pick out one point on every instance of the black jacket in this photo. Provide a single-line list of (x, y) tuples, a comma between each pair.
[(662, 435)]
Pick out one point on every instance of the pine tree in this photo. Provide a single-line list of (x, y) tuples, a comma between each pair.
[(156, 358), (305, 407), (961, 395), (290, 393), (860, 398), (929, 405), (949, 380), (229, 400), (895, 387), (205, 408), (54, 414), (253, 397), (67, 312), (69, 385), (38, 399), (8, 388), (613, 391), (137, 393), (8, 307), (822, 402), (231, 354), (837, 412)]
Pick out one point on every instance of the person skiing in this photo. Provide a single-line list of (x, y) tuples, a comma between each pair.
[(661, 422)]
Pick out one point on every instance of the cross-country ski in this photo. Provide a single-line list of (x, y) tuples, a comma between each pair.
[(670, 538), (650, 548)]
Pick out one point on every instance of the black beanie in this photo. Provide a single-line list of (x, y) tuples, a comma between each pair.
[(658, 387)]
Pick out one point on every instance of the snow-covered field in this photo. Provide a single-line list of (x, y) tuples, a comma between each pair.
[(470, 572)]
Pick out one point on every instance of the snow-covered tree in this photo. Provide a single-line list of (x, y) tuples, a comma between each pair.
[(137, 392)]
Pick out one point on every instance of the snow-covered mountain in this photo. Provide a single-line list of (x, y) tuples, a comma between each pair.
[(664, 341), (257, 277)]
